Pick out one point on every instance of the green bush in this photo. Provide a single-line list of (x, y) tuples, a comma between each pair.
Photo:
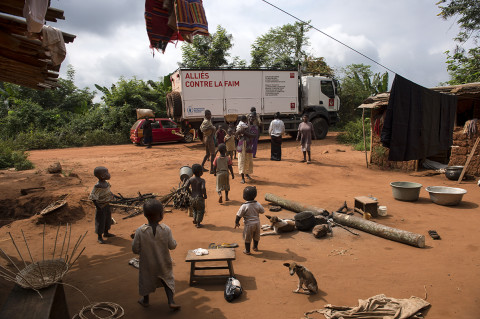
[(11, 157), (353, 134)]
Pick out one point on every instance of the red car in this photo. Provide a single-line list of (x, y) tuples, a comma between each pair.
[(162, 131)]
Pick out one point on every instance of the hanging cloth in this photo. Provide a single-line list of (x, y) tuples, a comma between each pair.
[(419, 122), (34, 12)]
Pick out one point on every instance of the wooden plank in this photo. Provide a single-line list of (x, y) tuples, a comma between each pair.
[(468, 160), (222, 254), (15, 7), (291, 205), (26, 303)]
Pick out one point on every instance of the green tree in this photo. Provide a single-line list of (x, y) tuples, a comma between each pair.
[(281, 47), (209, 52), (463, 65), (467, 14), (313, 65), (357, 83), (125, 96)]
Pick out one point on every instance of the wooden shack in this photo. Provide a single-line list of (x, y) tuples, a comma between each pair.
[(468, 110), (23, 58)]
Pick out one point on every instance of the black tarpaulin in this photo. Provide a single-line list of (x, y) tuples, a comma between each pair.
[(419, 122)]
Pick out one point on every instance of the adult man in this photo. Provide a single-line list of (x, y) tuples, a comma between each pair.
[(276, 130), (208, 131)]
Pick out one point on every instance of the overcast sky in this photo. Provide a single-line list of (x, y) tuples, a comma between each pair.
[(407, 36)]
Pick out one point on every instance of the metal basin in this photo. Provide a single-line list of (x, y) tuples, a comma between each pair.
[(406, 191), (448, 196), (453, 172)]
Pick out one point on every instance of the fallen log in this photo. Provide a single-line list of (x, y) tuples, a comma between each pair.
[(293, 206), (376, 229)]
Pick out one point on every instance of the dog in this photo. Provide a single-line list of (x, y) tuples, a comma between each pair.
[(305, 279), (278, 225)]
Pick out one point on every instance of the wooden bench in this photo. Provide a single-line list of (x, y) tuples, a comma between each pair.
[(26, 303), (222, 254)]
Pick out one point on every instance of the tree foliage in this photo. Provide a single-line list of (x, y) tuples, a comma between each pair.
[(313, 65), (463, 65), (281, 47), (467, 13), (357, 83), (209, 52)]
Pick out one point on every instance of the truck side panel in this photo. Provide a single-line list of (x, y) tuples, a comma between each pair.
[(240, 98), (280, 91)]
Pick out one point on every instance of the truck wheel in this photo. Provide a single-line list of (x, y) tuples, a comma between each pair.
[(176, 105), (320, 126)]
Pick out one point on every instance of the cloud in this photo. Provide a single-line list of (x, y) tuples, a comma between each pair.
[(406, 36)]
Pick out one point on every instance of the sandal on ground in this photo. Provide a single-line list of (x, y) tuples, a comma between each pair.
[(303, 161), (255, 248), (174, 306), (247, 252), (108, 235), (143, 303), (434, 234), (101, 241)]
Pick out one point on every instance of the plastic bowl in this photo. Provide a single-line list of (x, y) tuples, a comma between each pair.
[(406, 191), (447, 196)]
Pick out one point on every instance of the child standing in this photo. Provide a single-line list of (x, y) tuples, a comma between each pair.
[(250, 212), (198, 194), (152, 242), (101, 196), (230, 142), (221, 165)]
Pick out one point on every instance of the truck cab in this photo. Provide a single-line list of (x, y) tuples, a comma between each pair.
[(319, 100)]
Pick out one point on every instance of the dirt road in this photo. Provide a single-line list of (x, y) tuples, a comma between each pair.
[(347, 267)]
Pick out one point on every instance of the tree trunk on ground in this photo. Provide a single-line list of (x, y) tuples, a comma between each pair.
[(376, 229), (291, 205)]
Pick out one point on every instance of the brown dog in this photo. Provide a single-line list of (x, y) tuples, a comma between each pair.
[(278, 225), (305, 279)]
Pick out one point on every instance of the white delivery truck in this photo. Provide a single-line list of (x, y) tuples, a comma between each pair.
[(228, 93)]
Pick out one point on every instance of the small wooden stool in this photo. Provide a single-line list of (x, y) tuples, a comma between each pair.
[(26, 303), (222, 254), (365, 204)]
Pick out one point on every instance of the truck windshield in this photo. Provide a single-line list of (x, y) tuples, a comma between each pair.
[(327, 88)]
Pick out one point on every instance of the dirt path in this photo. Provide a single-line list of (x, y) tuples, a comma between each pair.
[(347, 268)]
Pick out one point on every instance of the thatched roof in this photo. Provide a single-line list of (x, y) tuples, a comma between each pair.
[(469, 90), (23, 60)]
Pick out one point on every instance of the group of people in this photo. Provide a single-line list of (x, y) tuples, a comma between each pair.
[(153, 240)]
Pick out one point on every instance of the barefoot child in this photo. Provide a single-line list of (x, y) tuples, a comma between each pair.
[(250, 212), (152, 242), (221, 165), (101, 196), (196, 187), (230, 142)]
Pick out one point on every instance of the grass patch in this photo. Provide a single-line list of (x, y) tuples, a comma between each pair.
[(352, 134), (10, 157)]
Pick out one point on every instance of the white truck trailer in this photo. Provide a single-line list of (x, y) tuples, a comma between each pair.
[(230, 92)]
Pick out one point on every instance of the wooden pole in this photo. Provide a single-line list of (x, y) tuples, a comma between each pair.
[(376, 229), (468, 160), (291, 205), (364, 137)]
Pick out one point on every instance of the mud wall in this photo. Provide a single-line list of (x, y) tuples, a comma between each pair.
[(462, 146)]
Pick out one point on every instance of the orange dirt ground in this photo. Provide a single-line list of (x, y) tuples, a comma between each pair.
[(346, 267)]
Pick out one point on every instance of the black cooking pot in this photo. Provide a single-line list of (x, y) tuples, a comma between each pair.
[(453, 172)]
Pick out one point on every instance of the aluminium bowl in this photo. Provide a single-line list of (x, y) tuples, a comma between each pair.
[(447, 196), (406, 191)]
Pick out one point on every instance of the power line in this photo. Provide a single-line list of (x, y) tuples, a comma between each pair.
[(383, 66)]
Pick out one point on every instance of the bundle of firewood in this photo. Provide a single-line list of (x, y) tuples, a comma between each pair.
[(181, 198)]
